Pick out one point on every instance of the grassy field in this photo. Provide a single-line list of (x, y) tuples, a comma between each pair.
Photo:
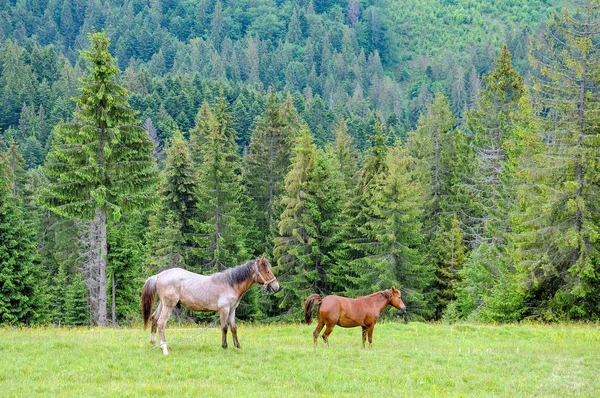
[(414, 359)]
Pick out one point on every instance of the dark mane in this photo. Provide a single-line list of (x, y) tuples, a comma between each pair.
[(236, 275)]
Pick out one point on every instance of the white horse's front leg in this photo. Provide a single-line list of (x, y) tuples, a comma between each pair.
[(233, 327), (224, 312)]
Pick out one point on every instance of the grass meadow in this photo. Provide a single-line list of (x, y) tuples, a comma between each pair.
[(413, 360)]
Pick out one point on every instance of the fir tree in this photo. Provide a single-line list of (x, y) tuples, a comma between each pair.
[(558, 238), (355, 237), (19, 298), (311, 206), (101, 164), (171, 231), (267, 164), (223, 226), (500, 128), (442, 160)]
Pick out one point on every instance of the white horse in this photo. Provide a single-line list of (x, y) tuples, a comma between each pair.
[(218, 292)]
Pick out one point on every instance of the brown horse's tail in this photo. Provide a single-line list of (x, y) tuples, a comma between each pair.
[(312, 301), (148, 295)]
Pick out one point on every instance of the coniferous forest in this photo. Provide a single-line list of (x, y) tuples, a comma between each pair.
[(448, 148)]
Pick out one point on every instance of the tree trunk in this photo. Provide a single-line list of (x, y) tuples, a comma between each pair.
[(113, 302), (102, 298)]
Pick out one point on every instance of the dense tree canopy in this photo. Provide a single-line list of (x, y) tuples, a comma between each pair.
[(445, 148)]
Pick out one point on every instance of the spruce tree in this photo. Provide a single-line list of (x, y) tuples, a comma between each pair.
[(171, 231), (266, 166), (101, 164), (347, 155), (355, 236), (311, 204), (223, 225), (501, 128), (19, 297), (558, 235), (442, 160)]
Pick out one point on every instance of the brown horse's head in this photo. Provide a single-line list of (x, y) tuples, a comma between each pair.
[(396, 301), (264, 275)]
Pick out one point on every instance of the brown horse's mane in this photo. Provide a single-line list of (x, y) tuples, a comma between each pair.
[(387, 293), (236, 275)]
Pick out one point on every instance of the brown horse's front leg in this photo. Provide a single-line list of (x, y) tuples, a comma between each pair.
[(364, 335), (370, 333), (224, 321)]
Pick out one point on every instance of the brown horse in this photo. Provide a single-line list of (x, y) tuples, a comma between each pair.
[(347, 312), (218, 292)]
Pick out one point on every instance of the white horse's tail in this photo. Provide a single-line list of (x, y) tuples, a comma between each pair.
[(148, 295)]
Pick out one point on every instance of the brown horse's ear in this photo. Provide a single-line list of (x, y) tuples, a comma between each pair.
[(261, 261), (394, 290)]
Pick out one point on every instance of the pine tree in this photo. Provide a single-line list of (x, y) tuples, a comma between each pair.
[(125, 272), (171, 231), (442, 157), (347, 155), (558, 238), (267, 164), (501, 130), (223, 227), (311, 205), (355, 237), (19, 297), (101, 164)]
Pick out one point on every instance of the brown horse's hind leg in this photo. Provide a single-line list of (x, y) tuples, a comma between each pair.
[(165, 313), (317, 331), (328, 330), (224, 312), (155, 316)]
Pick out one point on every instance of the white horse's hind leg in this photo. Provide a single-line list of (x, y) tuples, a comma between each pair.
[(154, 318), (165, 313)]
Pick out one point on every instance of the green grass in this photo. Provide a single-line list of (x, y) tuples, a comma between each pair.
[(280, 360)]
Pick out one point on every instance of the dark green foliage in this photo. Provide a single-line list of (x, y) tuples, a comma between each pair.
[(171, 232), (311, 203), (480, 210), (125, 272), (102, 159), (20, 290), (559, 245), (266, 166), (223, 224)]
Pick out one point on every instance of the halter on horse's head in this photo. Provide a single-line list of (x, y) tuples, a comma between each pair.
[(264, 275)]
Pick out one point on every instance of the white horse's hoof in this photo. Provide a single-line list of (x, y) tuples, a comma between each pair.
[(163, 346)]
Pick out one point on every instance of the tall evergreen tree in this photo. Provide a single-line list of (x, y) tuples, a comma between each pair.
[(347, 155), (558, 241), (311, 204), (19, 298), (501, 130), (171, 231), (223, 226), (442, 157), (355, 237), (267, 164), (101, 164)]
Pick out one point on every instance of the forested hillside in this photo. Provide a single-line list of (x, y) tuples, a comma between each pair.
[(448, 148)]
